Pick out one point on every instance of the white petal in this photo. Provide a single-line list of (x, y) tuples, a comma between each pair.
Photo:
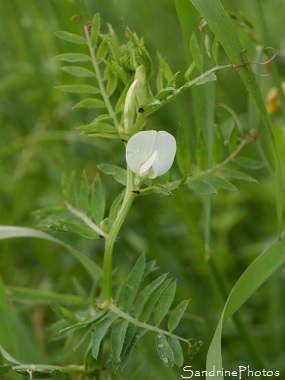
[(165, 145), (147, 165), (139, 149)]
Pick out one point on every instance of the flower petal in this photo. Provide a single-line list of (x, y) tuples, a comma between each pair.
[(147, 165), (165, 145), (140, 149)]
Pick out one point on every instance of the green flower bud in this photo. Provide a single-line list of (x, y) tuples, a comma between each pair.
[(141, 87), (130, 108)]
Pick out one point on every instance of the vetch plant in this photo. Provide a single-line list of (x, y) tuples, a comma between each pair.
[(150, 154)]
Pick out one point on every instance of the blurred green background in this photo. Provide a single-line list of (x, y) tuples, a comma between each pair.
[(39, 142)]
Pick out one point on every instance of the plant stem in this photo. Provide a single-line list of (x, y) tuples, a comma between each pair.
[(143, 325), (99, 79), (110, 240)]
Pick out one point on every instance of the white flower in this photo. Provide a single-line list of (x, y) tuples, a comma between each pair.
[(150, 153)]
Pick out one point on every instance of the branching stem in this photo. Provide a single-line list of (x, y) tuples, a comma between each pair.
[(99, 79), (143, 325)]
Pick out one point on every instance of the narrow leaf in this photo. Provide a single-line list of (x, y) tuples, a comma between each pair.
[(79, 88), (177, 314), (129, 287), (164, 304), (78, 71), (95, 28), (237, 175), (70, 37), (146, 293), (249, 163), (201, 187), (101, 330), (84, 332), (153, 299), (90, 103), (118, 338), (196, 52), (84, 192), (177, 351), (119, 174), (164, 351), (221, 183), (98, 127), (72, 57)]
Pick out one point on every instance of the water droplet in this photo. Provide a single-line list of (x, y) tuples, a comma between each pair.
[(160, 345), (165, 360), (159, 336)]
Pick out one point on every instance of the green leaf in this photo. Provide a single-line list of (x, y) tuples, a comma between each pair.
[(189, 71), (146, 293), (109, 136), (164, 351), (95, 29), (84, 192), (164, 72), (208, 78), (103, 49), (112, 83), (129, 287), (177, 351), (221, 183), (90, 103), (164, 93), (82, 336), (237, 175), (151, 302), (8, 232), (72, 57), (119, 331), (119, 174), (115, 208), (97, 200), (78, 71), (98, 127), (70, 37), (196, 53), (79, 89), (177, 314), (252, 278), (249, 163), (183, 151), (164, 304), (101, 330), (201, 187), (133, 335)]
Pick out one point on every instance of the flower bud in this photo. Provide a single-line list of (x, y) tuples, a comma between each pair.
[(141, 87), (130, 108)]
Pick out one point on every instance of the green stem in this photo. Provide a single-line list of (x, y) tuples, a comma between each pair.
[(99, 79), (110, 240), (143, 325)]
